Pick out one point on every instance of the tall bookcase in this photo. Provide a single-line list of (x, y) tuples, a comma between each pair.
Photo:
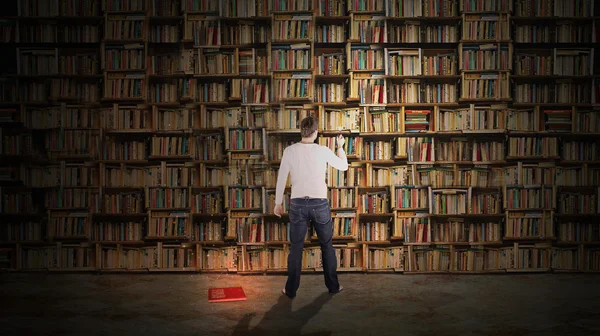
[(146, 135)]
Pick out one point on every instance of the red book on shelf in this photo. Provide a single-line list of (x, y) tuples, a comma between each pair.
[(226, 294)]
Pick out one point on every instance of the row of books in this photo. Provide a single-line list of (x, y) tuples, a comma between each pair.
[(369, 175), (134, 27), (358, 119), (398, 62), (404, 229), (368, 91), (436, 200), (413, 150), (232, 8), (255, 259)]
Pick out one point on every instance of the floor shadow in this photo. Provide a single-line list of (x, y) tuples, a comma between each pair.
[(280, 319)]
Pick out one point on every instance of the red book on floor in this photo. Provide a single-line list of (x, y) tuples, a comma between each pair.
[(226, 294)]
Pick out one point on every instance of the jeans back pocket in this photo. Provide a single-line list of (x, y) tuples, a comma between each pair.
[(321, 213)]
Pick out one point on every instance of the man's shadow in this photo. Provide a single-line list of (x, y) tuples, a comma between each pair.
[(280, 319)]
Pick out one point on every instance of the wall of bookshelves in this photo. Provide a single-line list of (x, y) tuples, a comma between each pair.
[(146, 135)]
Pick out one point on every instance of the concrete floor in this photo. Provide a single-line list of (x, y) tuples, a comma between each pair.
[(371, 304)]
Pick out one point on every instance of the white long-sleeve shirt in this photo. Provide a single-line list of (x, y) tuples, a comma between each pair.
[(307, 165)]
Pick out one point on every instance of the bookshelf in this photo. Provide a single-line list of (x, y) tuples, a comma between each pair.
[(146, 135)]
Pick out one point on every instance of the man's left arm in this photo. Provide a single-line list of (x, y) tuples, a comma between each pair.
[(282, 176)]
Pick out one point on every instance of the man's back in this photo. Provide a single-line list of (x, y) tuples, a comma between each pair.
[(307, 165)]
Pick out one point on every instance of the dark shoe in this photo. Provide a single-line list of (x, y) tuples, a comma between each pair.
[(283, 291), (339, 290)]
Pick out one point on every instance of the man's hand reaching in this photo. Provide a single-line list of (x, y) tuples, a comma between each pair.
[(340, 141)]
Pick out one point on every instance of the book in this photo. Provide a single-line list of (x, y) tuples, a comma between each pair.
[(226, 294)]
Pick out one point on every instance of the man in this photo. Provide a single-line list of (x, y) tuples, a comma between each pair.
[(307, 162)]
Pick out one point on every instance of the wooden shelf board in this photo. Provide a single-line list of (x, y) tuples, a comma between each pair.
[(369, 242), (119, 215), (72, 269), (527, 270), (71, 156), (292, 70), (468, 215), (487, 132), (279, 242), (211, 242), (22, 215), (284, 131), (253, 272), (115, 242), (245, 209), (549, 77), (490, 243), (74, 76), (376, 161), (484, 100), (209, 215), (529, 238), (228, 46), (185, 238), (170, 157), (69, 238), (411, 209), (479, 272), (424, 18), (131, 162), (129, 131), (24, 242), (487, 71), (183, 132), (535, 19), (275, 41), (570, 243), (252, 150), (273, 216), (122, 100), (382, 270), (375, 215), (182, 269), (331, 77), (169, 209), (28, 270), (520, 104), (579, 215), (209, 162), (123, 270), (424, 77), (556, 270), (331, 18), (246, 18), (218, 270), (124, 41), (58, 18), (533, 157), (486, 41), (165, 18), (121, 12)]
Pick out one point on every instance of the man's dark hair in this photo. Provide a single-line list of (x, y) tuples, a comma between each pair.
[(308, 125)]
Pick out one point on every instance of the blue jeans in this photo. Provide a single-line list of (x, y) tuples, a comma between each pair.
[(318, 211)]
